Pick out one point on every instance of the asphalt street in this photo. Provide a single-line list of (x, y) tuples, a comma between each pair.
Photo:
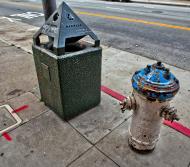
[(155, 31)]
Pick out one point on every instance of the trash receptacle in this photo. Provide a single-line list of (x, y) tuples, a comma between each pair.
[(68, 69)]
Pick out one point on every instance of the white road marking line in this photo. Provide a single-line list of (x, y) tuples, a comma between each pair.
[(115, 8), (33, 29), (28, 15), (10, 19)]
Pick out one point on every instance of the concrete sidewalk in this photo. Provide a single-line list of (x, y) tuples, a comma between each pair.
[(185, 3), (95, 138)]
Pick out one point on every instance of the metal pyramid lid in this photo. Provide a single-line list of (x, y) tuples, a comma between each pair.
[(64, 26)]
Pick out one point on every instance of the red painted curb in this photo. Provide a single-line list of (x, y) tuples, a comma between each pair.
[(112, 93), (177, 126)]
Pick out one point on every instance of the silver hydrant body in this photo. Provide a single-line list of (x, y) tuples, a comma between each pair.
[(153, 89)]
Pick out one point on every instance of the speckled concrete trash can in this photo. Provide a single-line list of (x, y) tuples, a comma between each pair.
[(68, 69), (69, 84)]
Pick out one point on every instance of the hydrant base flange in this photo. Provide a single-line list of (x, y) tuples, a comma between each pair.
[(138, 147)]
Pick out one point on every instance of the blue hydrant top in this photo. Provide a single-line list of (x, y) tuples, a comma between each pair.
[(155, 82)]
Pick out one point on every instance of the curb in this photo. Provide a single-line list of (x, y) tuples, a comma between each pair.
[(153, 3), (160, 3)]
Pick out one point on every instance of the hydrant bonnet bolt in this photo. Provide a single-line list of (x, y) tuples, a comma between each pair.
[(153, 88)]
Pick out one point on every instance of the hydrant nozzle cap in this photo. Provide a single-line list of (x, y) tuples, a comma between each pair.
[(156, 82)]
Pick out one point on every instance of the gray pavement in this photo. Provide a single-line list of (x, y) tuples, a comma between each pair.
[(13, 61), (96, 138), (172, 149), (149, 40)]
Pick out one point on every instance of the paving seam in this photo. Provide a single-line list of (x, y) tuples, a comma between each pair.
[(106, 136), (29, 120), (16, 46), (8, 99), (113, 130), (79, 156), (125, 120), (45, 111), (107, 156), (5, 46), (6, 42), (35, 94), (94, 144), (5, 100)]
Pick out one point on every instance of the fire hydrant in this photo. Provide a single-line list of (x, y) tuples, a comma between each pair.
[(153, 89)]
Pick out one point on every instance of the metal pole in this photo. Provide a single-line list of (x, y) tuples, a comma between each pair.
[(49, 6)]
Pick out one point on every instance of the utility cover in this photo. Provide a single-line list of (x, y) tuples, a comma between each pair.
[(65, 27), (8, 119), (156, 82)]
